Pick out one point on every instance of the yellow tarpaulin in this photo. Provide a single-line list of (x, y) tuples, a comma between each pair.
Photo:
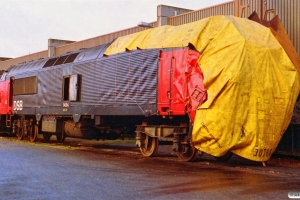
[(251, 83)]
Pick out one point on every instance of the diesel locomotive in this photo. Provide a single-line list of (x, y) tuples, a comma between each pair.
[(152, 93), (150, 85)]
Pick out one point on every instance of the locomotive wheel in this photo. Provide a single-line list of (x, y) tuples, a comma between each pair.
[(151, 146), (46, 136), (188, 156), (60, 137), (19, 133), (226, 157), (33, 133)]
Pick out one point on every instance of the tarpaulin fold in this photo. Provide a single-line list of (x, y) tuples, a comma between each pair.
[(252, 85)]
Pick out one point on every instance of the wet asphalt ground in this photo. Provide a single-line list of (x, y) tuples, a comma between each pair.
[(81, 169)]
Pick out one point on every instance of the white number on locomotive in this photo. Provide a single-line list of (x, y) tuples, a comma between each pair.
[(18, 105)]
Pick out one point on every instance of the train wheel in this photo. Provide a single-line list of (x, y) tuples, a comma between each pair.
[(151, 146), (20, 133), (226, 157), (60, 137), (33, 133), (190, 154), (46, 136)]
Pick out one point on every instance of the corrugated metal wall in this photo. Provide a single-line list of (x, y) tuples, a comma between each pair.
[(287, 10), (129, 78), (289, 13), (254, 5), (222, 9)]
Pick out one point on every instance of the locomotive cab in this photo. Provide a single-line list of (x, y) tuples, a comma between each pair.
[(6, 99)]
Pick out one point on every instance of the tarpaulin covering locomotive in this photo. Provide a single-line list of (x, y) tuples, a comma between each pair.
[(222, 84)]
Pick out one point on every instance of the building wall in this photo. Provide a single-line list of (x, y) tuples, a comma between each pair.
[(289, 13), (221, 9), (59, 50), (102, 39), (4, 65), (287, 10)]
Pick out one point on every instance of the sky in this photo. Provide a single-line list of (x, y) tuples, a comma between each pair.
[(26, 25)]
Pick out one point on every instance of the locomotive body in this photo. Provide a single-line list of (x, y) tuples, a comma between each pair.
[(86, 94)]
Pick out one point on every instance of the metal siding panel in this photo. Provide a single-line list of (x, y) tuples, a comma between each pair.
[(122, 77), (50, 87), (127, 79), (222, 9), (67, 69), (91, 53), (87, 71), (288, 12), (90, 78), (107, 92), (29, 103), (26, 68)]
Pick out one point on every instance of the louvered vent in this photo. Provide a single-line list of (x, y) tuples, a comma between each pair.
[(61, 60)]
